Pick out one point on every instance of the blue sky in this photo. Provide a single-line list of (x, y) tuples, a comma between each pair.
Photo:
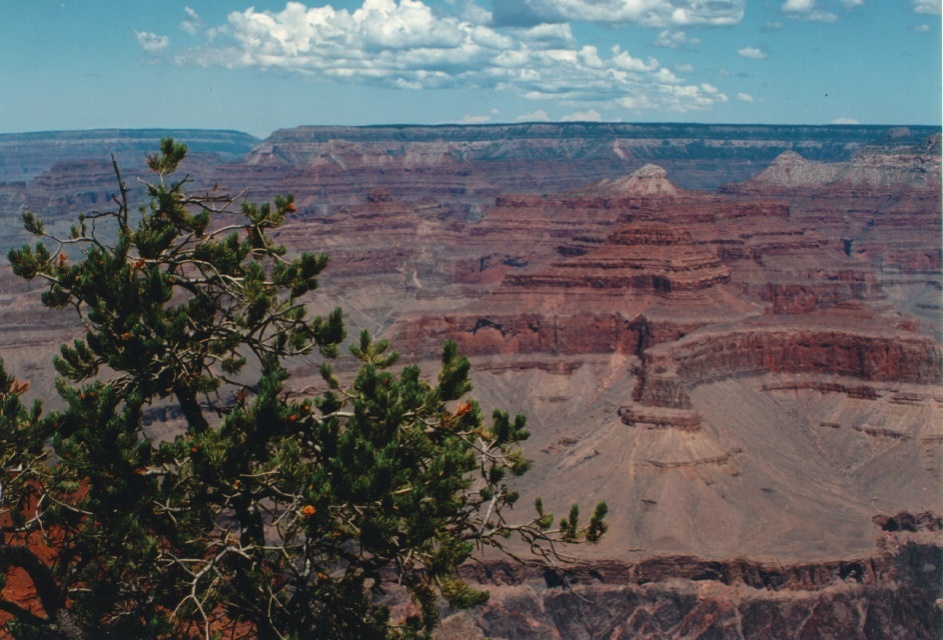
[(81, 64)]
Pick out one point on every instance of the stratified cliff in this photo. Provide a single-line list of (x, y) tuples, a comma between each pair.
[(881, 207), (890, 595), (697, 359), (464, 161), (23, 156)]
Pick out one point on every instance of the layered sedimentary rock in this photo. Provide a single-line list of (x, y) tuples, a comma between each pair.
[(628, 271), (717, 366), (719, 353), (647, 257), (750, 377), (649, 181), (777, 347), (892, 595), (23, 156), (871, 167), (327, 167), (881, 207)]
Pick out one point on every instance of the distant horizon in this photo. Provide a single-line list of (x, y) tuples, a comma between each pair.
[(482, 126), (261, 66)]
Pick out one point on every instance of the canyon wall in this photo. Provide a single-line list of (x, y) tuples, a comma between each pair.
[(680, 598), (747, 375)]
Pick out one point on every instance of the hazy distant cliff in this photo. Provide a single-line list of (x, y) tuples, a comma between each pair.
[(23, 156), (697, 156)]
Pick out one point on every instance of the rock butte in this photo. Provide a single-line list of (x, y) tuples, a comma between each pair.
[(750, 375)]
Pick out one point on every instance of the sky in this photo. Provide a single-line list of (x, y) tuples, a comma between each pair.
[(266, 65)]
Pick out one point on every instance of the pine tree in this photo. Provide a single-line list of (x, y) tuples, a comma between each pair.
[(269, 515)]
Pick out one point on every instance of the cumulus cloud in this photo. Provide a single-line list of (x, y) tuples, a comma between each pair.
[(650, 13), (711, 90), (852, 4), (470, 119), (845, 121), (193, 23), (680, 98), (752, 53), (807, 10), (535, 116), (404, 44), (152, 43), (745, 97), (920, 28), (675, 40), (583, 116), (933, 7), (474, 14)]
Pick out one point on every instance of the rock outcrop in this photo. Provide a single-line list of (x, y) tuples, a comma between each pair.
[(651, 181), (881, 207), (761, 347), (660, 318), (872, 167), (889, 596)]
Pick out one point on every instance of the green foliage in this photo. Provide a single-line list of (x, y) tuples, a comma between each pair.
[(283, 515), (22, 451)]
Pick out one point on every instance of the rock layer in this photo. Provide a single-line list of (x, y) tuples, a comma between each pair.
[(677, 598)]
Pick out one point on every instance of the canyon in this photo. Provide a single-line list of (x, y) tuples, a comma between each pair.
[(731, 334)]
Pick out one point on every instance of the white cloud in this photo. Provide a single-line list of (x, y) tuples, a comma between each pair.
[(560, 35), (650, 13), (933, 7), (845, 121), (772, 26), (675, 40), (807, 10), (711, 90), (684, 68), (752, 53), (193, 23), (682, 98), (852, 4), (920, 28), (623, 60), (638, 103), (535, 116), (405, 44), (745, 97), (152, 43), (666, 76), (470, 119), (476, 15), (799, 5), (583, 116)]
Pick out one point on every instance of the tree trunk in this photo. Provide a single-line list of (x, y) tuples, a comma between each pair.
[(191, 409)]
